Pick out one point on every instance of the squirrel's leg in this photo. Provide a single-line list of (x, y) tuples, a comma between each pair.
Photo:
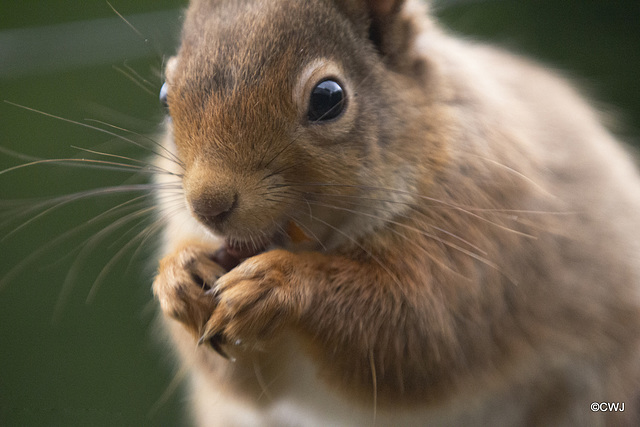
[(360, 322)]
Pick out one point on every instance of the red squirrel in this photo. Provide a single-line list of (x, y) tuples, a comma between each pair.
[(373, 222)]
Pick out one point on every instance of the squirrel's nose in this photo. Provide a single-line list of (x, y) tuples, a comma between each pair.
[(213, 209)]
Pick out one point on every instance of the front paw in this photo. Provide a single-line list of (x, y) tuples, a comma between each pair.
[(255, 300), (182, 284)]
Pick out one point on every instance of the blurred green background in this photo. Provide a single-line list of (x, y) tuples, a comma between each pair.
[(68, 361)]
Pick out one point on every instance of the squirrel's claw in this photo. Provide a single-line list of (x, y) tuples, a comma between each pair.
[(215, 341)]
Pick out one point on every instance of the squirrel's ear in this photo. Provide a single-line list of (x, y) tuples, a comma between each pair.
[(390, 24), (383, 15), (383, 8)]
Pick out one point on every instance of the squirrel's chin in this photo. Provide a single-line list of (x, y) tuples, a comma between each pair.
[(242, 249)]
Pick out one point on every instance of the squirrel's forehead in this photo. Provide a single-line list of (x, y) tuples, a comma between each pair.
[(230, 47), (226, 72), (246, 30)]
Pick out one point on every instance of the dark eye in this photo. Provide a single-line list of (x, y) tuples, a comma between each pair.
[(327, 101), (163, 95)]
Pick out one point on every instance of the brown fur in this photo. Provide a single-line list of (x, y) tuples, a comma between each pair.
[(474, 227)]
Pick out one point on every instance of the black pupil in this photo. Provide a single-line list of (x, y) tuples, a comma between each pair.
[(163, 95), (327, 101)]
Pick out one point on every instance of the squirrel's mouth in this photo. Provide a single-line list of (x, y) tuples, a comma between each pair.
[(234, 251)]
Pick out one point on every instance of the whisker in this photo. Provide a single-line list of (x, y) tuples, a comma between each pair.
[(118, 207), (155, 49), (406, 226), (374, 380), (88, 126), (133, 79), (86, 249), (454, 206), (153, 168), (33, 256), (124, 236), (413, 208), (135, 30), (171, 156), (451, 245), (469, 208), (371, 255), (103, 273), (514, 172), (149, 232), (170, 389), (134, 73), (18, 155), (37, 253), (264, 387), (279, 171), (92, 163), (510, 214), (58, 202), (279, 153)]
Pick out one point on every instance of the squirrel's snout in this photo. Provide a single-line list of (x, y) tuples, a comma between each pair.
[(214, 209)]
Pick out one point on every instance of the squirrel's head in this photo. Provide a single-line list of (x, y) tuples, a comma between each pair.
[(305, 111)]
